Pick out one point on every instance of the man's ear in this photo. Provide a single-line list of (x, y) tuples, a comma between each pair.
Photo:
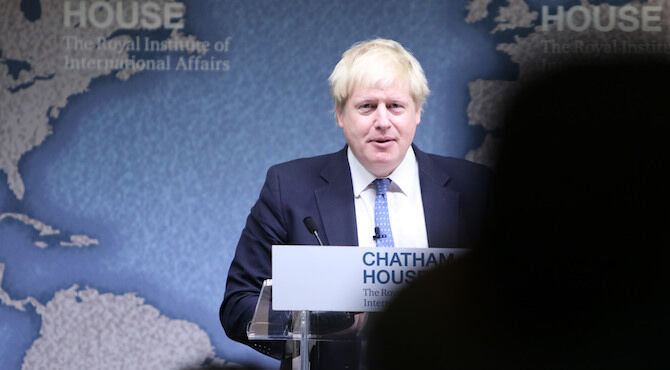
[(418, 115), (338, 117)]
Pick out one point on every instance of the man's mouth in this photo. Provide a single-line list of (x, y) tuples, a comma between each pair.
[(381, 140)]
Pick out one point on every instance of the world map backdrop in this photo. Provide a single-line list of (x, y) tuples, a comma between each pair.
[(135, 136)]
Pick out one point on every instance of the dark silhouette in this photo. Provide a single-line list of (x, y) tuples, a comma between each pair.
[(573, 274)]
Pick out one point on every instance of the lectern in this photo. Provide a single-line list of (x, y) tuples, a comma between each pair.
[(333, 283)]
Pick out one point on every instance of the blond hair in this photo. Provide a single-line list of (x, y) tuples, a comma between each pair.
[(379, 63)]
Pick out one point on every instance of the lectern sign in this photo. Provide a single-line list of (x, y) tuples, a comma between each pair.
[(318, 278)]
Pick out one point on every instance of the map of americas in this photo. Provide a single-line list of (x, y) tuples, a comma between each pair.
[(36, 93), (81, 328)]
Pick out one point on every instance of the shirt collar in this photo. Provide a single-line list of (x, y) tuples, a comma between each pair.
[(401, 177)]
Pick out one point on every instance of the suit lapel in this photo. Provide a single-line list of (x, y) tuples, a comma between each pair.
[(440, 205), (335, 202)]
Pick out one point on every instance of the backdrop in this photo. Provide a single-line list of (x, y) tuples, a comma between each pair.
[(135, 136)]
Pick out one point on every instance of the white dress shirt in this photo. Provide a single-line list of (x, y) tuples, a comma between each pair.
[(404, 202)]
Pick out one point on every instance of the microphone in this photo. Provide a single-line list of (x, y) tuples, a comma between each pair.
[(377, 234), (311, 227)]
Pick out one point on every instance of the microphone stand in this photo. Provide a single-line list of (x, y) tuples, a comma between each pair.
[(304, 340), (304, 315)]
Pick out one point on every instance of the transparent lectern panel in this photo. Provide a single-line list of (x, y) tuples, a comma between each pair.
[(268, 324)]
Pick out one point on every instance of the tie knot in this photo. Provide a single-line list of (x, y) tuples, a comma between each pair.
[(382, 185)]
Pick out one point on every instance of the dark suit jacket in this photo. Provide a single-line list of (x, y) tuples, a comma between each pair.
[(454, 194)]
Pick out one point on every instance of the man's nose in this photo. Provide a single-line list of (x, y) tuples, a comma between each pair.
[(382, 117)]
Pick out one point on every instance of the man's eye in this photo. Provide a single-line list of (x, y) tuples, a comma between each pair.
[(366, 107), (395, 106)]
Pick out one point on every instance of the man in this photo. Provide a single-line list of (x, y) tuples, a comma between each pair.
[(378, 179)]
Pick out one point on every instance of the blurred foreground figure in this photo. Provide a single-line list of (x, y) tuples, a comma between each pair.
[(574, 273)]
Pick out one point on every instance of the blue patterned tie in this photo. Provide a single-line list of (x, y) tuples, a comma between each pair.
[(382, 214)]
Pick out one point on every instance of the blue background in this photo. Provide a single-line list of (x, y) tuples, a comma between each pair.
[(163, 168)]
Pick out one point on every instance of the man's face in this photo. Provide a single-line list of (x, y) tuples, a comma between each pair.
[(379, 126)]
